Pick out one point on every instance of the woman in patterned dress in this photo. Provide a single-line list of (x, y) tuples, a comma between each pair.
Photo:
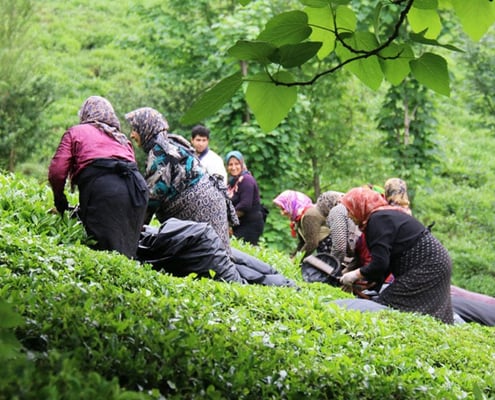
[(343, 231), (401, 245), (179, 186)]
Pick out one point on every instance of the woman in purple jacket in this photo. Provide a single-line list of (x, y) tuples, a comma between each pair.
[(99, 159), (245, 195)]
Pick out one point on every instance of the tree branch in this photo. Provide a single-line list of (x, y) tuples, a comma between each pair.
[(361, 54)]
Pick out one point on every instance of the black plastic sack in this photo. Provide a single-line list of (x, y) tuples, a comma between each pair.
[(312, 274), (254, 270), (183, 247), (471, 310)]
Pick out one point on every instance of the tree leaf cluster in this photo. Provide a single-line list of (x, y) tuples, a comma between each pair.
[(388, 43)]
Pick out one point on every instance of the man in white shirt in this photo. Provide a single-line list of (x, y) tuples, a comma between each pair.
[(213, 163)]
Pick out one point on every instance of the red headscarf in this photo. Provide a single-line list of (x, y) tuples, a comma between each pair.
[(362, 202)]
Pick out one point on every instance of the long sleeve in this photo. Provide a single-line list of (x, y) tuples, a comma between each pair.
[(61, 165), (388, 234)]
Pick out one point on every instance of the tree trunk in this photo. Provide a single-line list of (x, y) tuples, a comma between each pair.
[(247, 115)]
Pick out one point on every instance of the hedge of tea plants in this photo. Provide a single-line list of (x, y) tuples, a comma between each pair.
[(80, 324)]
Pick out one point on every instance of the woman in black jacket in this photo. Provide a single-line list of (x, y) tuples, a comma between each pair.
[(401, 245)]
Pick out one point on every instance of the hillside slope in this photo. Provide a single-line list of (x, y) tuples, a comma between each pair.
[(97, 325)]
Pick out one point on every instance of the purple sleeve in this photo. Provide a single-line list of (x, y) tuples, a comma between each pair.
[(246, 192)]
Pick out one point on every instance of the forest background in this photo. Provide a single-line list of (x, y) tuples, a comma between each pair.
[(164, 54)]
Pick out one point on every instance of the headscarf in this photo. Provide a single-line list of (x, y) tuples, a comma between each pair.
[(294, 204), (239, 157), (236, 154), (396, 192), (99, 112), (361, 202), (149, 124), (328, 200)]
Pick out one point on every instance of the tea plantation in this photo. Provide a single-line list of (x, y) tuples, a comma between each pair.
[(79, 324)]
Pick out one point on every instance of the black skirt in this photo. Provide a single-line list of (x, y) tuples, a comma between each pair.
[(251, 226), (112, 205), (422, 281)]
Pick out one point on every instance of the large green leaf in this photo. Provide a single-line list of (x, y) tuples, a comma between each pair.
[(431, 70), (321, 22), (419, 37), (269, 102), (294, 55), (426, 4), (315, 3), (323, 28), (476, 16), (213, 99), (286, 28), (346, 20), (395, 64), (425, 20), (252, 51), (368, 69), (323, 3)]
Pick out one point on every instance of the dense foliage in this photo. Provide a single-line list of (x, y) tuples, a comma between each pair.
[(97, 325), (159, 54), (375, 41), (79, 324)]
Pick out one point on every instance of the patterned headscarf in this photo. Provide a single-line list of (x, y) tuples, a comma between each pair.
[(361, 202), (149, 124), (294, 203), (328, 200), (98, 112), (396, 192)]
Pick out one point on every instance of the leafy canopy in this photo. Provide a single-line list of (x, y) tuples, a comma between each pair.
[(386, 42)]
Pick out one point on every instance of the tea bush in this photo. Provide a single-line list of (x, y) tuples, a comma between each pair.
[(97, 325)]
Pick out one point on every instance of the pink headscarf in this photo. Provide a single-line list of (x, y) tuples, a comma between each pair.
[(362, 202), (293, 203)]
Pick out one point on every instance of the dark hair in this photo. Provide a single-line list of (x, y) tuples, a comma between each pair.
[(200, 130)]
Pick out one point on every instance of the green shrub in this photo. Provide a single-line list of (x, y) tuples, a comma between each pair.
[(98, 325)]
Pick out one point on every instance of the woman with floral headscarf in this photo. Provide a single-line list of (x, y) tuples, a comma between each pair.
[(99, 159), (179, 186), (306, 222), (401, 245), (244, 192)]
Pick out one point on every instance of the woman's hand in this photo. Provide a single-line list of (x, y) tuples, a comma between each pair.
[(350, 277)]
